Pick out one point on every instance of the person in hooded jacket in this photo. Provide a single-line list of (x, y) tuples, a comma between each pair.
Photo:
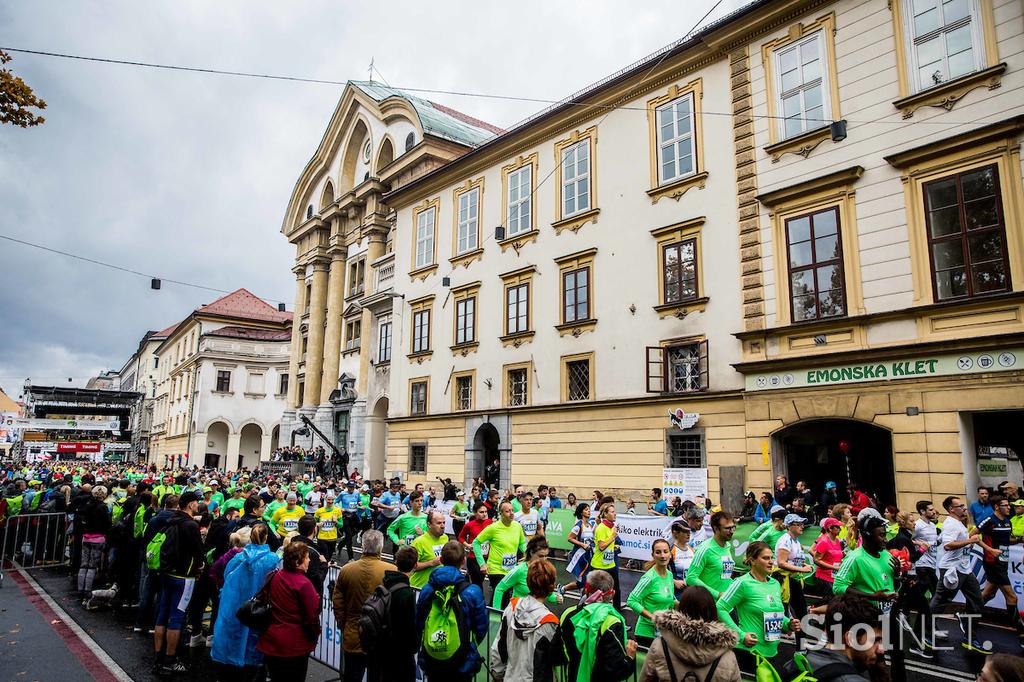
[(449, 573), (234, 645), (95, 524), (693, 640), (522, 650)]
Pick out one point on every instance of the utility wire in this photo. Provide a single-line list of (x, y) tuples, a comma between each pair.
[(454, 93), (122, 269)]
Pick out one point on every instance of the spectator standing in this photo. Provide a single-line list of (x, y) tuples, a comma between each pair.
[(397, 661), (981, 509), (95, 525), (177, 583), (295, 619), (522, 651), (691, 640), (827, 554), (356, 581), (658, 505), (858, 500), (784, 492)]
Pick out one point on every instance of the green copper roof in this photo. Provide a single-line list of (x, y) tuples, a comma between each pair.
[(436, 119)]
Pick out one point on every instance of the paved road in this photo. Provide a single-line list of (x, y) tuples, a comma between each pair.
[(36, 654)]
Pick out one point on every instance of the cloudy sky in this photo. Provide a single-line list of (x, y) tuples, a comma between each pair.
[(186, 176)]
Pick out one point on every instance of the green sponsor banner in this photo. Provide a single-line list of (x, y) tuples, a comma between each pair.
[(924, 366), (560, 523)]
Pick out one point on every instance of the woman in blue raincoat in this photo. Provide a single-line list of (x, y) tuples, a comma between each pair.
[(234, 646)]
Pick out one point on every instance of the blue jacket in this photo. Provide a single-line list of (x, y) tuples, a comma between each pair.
[(233, 643), (761, 514), (474, 609)]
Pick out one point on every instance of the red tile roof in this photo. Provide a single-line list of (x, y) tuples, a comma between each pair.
[(166, 332), (244, 305), (466, 118), (235, 332)]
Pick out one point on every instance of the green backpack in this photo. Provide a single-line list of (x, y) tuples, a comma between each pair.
[(161, 550), (445, 635)]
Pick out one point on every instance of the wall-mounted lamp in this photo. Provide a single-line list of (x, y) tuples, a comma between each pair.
[(446, 281), (838, 130), (499, 232)]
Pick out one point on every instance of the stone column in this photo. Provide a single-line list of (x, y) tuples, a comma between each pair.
[(378, 235), (315, 348), (332, 336), (296, 350)]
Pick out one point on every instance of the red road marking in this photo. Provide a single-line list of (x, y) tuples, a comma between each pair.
[(79, 648)]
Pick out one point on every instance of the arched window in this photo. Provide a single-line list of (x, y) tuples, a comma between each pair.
[(366, 176), (328, 195), (410, 141), (309, 211)]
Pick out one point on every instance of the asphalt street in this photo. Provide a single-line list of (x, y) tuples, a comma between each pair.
[(30, 649)]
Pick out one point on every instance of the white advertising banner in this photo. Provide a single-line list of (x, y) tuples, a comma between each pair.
[(638, 533), (21, 423), (685, 483), (1016, 573)]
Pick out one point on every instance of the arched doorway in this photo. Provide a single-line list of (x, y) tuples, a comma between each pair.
[(216, 444), (841, 450), (275, 438), (249, 446), (378, 440), (486, 444)]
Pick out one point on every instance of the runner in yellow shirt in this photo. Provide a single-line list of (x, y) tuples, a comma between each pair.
[(286, 519), (327, 518)]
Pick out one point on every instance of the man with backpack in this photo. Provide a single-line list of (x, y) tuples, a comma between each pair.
[(450, 615), (355, 582), (854, 648), (591, 637), (387, 626), (176, 553)]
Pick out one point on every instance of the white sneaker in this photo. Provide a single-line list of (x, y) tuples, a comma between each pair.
[(196, 641)]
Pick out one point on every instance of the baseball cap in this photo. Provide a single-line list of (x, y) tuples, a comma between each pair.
[(461, 493), (830, 485), (829, 523), (794, 518), (350, 484), (776, 508), (1018, 503)]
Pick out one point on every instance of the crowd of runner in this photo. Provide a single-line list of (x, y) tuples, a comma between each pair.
[(242, 563)]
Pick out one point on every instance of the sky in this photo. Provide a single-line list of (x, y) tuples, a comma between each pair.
[(187, 176)]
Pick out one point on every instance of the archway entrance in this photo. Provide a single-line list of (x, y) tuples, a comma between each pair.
[(216, 444), (840, 450), (249, 446), (486, 444), (378, 440), (275, 438)]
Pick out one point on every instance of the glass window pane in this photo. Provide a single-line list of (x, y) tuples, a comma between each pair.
[(942, 193), (791, 106), (809, 52), (799, 254), (981, 213), (825, 223), (665, 122), (977, 184), (794, 126), (812, 71), (570, 203), (685, 159), (954, 10), (926, 22), (812, 98), (962, 63), (931, 75), (948, 254), (951, 283), (829, 277), (929, 52), (800, 230), (788, 60), (802, 282), (945, 221), (803, 307), (826, 248), (985, 247), (958, 40), (989, 277), (790, 80), (830, 303)]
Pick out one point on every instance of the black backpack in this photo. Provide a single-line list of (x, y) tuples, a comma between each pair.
[(375, 619)]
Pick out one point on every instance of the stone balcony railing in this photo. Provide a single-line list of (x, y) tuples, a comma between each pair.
[(384, 274)]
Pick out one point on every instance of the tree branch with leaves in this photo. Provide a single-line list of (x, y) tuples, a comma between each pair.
[(17, 99)]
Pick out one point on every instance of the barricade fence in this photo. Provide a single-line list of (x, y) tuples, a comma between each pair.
[(329, 652), (32, 540)]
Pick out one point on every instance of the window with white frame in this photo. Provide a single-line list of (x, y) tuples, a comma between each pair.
[(465, 321), (464, 392), (469, 218), (676, 150), (517, 308), (425, 237), (945, 40), (518, 387), (353, 334), (421, 331), (576, 179), (802, 86), (519, 200), (418, 397), (384, 341)]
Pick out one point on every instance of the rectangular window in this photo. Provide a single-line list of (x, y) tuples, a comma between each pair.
[(686, 451), (815, 253), (254, 385), (353, 332), (302, 390), (465, 321), (680, 280), (517, 308), (223, 380), (421, 331), (576, 179), (576, 295), (425, 237), (417, 459), (578, 378), (283, 387), (518, 386), (305, 345), (384, 342), (966, 234), (676, 148), (356, 277), (309, 296), (802, 85), (464, 392), (469, 220), (520, 184), (945, 40), (418, 397), (678, 368)]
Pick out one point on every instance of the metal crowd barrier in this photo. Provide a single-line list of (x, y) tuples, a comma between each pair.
[(33, 540), (328, 650)]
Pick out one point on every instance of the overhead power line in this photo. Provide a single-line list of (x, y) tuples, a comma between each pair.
[(112, 266)]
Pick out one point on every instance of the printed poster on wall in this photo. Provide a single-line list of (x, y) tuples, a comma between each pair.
[(685, 483)]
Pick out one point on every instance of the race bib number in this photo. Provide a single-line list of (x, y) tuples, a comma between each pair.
[(508, 561), (797, 561), (530, 528), (291, 524), (437, 551), (773, 625), (1005, 556), (328, 524), (609, 556), (885, 606), (409, 538), (727, 565), (485, 547)]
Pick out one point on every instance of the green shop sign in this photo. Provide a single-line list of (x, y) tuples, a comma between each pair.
[(887, 370)]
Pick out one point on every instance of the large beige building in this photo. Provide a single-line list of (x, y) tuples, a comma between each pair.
[(801, 226)]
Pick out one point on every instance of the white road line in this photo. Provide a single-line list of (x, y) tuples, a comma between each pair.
[(106, 660)]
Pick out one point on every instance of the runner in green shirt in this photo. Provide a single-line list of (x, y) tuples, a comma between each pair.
[(507, 540), (236, 502), (769, 532), (272, 508), (303, 487), (428, 546), (655, 591), (537, 549), (756, 599), (217, 496), (406, 527), (713, 562), (869, 570)]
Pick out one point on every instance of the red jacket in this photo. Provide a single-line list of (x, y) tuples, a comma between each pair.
[(295, 623), (858, 501)]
